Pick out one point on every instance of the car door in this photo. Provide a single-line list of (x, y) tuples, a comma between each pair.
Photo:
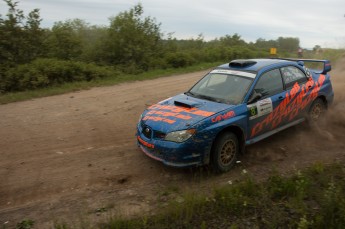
[(297, 85), (261, 116)]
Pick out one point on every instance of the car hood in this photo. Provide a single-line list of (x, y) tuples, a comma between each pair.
[(180, 112)]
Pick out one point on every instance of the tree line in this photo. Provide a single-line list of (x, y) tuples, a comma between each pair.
[(73, 50)]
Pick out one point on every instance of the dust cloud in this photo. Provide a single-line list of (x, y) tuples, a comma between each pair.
[(335, 117)]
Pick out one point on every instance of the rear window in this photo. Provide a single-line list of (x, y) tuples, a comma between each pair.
[(291, 75)]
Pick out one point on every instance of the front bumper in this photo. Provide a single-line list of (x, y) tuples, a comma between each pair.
[(185, 154)]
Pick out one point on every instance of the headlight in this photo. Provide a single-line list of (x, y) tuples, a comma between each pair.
[(180, 136)]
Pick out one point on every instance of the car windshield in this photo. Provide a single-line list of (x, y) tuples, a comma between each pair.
[(222, 87)]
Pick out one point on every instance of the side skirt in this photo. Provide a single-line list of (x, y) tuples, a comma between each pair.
[(267, 134)]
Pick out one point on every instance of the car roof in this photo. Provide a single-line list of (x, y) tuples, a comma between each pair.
[(251, 65)]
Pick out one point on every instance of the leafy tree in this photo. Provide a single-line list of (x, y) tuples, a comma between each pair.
[(32, 57), (75, 40), (93, 38), (234, 40), (266, 44), (316, 48), (290, 44), (133, 40), (20, 36), (20, 39), (64, 40)]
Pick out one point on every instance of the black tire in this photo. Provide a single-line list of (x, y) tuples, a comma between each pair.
[(225, 151), (316, 112)]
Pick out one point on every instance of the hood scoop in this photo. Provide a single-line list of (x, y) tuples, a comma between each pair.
[(187, 103)]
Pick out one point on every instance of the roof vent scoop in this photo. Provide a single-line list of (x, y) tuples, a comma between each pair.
[(241, 63)]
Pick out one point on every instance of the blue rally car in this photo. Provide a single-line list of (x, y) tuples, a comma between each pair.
[(234, 105)]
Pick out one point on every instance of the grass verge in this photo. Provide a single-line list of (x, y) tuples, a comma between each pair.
[(313, 198), (83, 85)]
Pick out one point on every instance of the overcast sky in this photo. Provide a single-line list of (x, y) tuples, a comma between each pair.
[(314, 22)]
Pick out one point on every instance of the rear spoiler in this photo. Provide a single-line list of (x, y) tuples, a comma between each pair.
[(327, 67)]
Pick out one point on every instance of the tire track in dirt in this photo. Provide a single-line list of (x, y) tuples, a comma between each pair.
[(72, 148)]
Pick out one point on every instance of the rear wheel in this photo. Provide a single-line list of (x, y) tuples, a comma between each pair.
[(225, 152), (317, 109)]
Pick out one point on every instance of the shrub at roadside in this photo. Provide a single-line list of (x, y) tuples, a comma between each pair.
[(49, 72)]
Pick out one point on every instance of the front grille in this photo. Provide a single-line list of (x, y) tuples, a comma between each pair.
[(147, 132), (158, 134), (150, 133)]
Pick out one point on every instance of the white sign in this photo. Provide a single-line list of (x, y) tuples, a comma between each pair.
[(260, 108), (234, 72)]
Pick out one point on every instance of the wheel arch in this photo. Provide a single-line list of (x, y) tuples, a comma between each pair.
[(324, 100), (238, 131)]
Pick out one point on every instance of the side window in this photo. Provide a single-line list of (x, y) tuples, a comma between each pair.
[(291, 75), (270, 83)]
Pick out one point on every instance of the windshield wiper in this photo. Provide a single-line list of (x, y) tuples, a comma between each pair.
[(190, 94), (209, 98), (203, 97)]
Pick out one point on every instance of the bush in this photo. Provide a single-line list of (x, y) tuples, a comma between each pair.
[(48, 72), (179, 59)]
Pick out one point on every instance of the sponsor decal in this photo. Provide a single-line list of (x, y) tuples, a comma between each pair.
[(145, 143), (158, 119), (295, 101), (260, 108), (222, 117), (164, 113), (187, 110), (253, 111), (169, 114)]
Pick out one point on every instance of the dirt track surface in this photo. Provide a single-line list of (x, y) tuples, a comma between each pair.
[(73, 158)]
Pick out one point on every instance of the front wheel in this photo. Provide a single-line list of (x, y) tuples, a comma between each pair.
[(225, 152)]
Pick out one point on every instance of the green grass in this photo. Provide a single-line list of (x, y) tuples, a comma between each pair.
[(313, 198), (83, 85), (25, 224)]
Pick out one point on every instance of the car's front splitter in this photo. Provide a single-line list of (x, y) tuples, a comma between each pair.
[(169, 163), (171, 153)]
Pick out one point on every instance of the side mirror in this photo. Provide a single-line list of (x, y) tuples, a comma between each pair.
[(254, 97)]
